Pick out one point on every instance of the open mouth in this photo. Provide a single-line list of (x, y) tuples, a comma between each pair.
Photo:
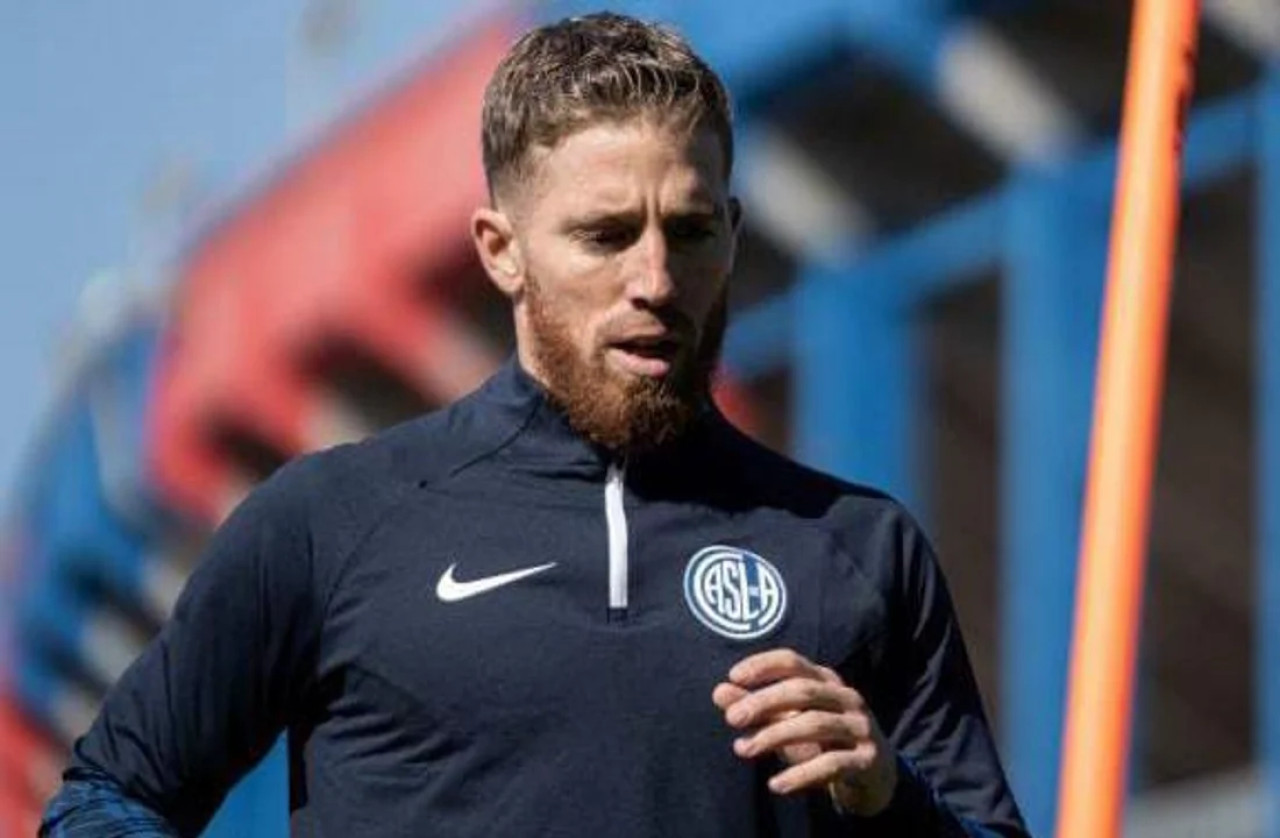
[(648, 356), (650, 347)]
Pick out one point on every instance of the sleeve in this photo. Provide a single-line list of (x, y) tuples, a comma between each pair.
[(210, 694), (91, 804), (950, 781)]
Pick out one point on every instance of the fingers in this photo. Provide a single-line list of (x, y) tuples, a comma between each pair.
[(825, 768), (792, 694), (726, 694), (775, 665), (808, 716), (839, 730)]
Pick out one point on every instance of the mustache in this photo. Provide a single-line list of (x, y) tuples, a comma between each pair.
[(670, 323)]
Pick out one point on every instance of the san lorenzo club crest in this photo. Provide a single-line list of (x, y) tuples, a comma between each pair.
[(734, 592)]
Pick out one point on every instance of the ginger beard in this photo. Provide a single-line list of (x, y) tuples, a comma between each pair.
[(626, 414)]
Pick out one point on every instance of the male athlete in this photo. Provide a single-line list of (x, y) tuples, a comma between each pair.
[(577, 602)]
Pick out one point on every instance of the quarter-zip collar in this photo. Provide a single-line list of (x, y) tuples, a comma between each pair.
[(544, 435)]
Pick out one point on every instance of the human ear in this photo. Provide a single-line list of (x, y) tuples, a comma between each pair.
[(499, 252), (735, 215)]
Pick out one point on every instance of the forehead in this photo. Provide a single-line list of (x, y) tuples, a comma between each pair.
[(617, 163)]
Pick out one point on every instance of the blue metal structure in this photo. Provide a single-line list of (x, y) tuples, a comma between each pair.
[(1053, 279), (1048, 230)]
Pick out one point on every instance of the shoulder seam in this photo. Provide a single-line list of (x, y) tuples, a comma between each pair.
[(492, 451), (834, 532), (347, 559)]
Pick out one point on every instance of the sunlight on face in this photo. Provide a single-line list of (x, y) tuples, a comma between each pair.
[(627, 230), (615, 252)]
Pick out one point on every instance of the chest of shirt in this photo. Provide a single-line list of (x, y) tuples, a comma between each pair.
[(520, 614)]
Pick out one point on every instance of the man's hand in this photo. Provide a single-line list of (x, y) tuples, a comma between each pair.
[(788, 705)]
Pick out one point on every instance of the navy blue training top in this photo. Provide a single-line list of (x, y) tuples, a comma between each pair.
[(476, 624)]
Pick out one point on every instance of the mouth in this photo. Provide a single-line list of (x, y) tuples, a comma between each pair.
[(651, 356)]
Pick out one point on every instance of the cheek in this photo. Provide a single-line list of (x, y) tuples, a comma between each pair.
[(703, 279), (587, 301), (564, 268), (581, 298)]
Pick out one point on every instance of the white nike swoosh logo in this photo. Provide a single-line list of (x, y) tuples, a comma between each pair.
[(449, 589)]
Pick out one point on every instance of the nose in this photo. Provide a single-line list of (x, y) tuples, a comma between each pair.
[(652, 284)]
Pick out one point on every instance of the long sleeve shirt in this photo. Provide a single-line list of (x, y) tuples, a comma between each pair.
[(478, 623)]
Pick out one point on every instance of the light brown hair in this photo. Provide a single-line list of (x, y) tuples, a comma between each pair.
[(559, 78)]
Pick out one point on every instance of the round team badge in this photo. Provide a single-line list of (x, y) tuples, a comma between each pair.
[(734, 592)]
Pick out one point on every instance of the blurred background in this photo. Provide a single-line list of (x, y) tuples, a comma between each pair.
[(234, 232)]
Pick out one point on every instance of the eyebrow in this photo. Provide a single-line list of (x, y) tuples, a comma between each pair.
[(701, 209), (711, 210), (596, 218)]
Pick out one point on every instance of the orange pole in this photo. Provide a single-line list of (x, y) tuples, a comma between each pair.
[(1126, 420)]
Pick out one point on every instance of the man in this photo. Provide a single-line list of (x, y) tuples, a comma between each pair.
[(577, 602)]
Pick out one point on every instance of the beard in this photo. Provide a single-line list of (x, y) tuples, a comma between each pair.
[(624, 414)]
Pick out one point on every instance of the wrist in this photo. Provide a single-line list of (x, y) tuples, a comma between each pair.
[(868, 798)]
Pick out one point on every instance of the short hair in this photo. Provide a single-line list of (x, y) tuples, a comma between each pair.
[(562, 77)]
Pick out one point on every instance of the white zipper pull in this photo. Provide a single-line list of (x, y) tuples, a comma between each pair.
[(616, 518)]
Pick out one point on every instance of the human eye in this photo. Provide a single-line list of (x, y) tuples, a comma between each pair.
[(691, 229), (605, 236)]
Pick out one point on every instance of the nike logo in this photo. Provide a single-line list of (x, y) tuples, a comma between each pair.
[(449, 589)]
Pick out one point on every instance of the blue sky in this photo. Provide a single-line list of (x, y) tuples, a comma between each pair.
[(97, 98)]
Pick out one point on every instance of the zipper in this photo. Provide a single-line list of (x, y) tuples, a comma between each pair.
[(615, 516)]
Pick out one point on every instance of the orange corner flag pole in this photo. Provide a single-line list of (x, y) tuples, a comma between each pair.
[(1126, 420)]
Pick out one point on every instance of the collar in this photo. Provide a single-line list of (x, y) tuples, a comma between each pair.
[(543, 433)]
